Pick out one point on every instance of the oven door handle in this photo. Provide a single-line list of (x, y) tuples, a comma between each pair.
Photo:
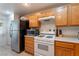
[(45, 43)]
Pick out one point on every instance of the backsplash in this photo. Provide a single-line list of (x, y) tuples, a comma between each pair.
[(70, 31), (47, 26)]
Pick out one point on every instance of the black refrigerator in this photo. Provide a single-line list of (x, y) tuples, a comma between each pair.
[(18, 29)]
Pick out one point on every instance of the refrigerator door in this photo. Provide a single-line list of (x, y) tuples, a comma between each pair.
[(14, 33), (15, 41), (10, 30), (15, 25)]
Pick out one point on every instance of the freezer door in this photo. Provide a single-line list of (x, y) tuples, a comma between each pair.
[(15, 41), (15, 25)]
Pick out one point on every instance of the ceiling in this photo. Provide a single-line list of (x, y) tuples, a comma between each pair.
[(21, 9)]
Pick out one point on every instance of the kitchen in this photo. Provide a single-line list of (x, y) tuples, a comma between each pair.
[(48, 30)]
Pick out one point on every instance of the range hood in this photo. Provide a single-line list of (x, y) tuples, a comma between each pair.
[(46, 18), (23, 18)]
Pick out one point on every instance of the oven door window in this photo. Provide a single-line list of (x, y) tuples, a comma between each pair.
[(43, 47)]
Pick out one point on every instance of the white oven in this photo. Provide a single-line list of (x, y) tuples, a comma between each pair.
[(44, 48)]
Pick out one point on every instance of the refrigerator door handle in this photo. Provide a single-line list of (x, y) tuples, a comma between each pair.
[(10, 35), (10, 26), (10, 30)]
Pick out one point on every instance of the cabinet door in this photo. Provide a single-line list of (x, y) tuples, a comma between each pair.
[(76, 49), (31, 21), (46, 13), (59, 51), (29, 45), (29, 50), (64, 48), (74, 14), (68, 52), (34, 22), (29, 42), (61, 16)]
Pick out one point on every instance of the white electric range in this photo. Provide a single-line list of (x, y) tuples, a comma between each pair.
[(44, 44)]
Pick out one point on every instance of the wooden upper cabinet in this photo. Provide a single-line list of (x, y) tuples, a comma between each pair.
[(46, 13), (67, 15), (34, 22), (74, 14), (33, 18), (61, 16)]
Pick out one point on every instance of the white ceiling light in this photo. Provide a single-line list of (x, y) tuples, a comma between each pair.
[(26, 4)]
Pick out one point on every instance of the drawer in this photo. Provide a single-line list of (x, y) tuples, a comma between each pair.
[(29, 38), (29, 45), (29, 42), (27, 49), (64, 44)]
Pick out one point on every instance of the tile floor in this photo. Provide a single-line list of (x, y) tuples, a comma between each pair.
[(6, 51)]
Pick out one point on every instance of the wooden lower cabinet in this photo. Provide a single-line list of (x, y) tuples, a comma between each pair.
[(29, 45), (29, 50), (59, 51), (77, 50), (69, 52), (66, 49)]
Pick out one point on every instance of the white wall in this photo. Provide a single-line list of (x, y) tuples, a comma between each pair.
[(4, 30), (70, 31)]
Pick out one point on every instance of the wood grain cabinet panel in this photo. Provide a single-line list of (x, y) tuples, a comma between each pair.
[(64, 49), (61, 16), (76, 49), (29, 44), (34, 23), (28, 38), (58, 51), (69, 52), (29, 50), (64, 44), (67, 15), (33, 18), (74, 14), (61, 51)]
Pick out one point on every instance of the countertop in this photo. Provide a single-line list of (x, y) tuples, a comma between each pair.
[(28, 36), (67, 39), (64, 39)]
